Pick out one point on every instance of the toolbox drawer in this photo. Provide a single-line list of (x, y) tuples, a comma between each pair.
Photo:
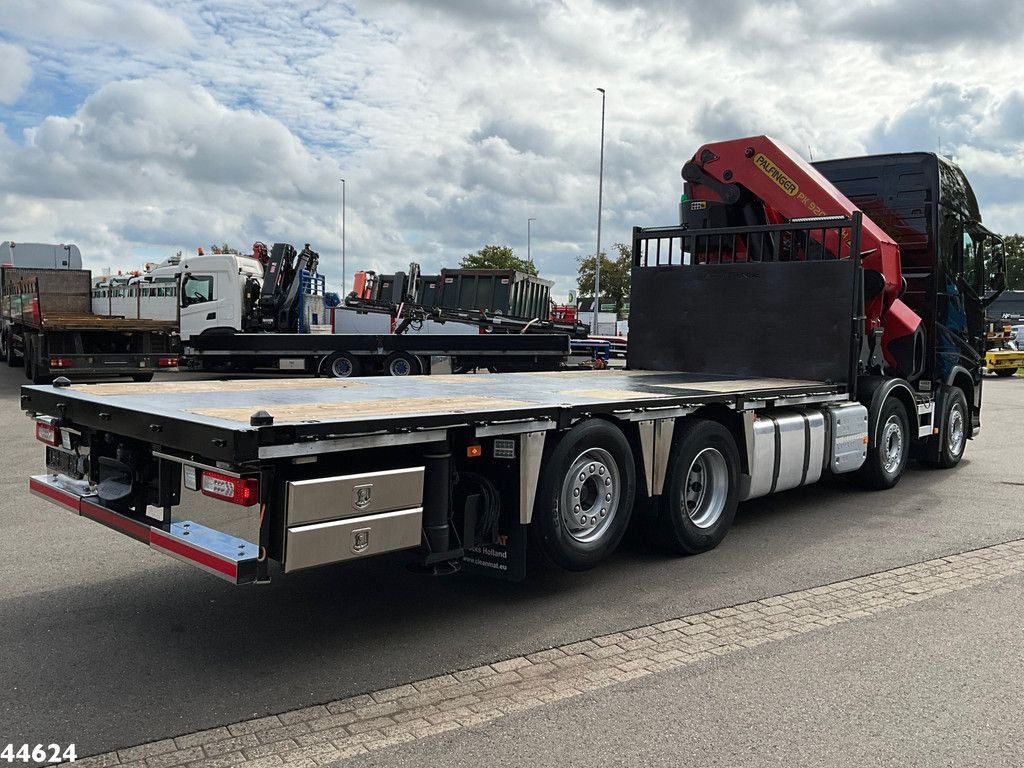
[(352, 537), (342, 496)]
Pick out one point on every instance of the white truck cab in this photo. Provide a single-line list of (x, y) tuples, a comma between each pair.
[(212, 291)]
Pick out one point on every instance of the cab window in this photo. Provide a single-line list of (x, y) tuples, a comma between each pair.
[(196, 289), (971, 268)]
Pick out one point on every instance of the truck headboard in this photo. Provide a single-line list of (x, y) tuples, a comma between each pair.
[(775, 301)]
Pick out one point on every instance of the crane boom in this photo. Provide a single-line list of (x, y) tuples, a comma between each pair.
[(758, 180)]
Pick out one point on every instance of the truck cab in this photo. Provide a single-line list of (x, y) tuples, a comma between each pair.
[(949, 259), (212, 292)]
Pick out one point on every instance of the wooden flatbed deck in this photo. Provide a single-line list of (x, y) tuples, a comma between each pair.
[(213, 417), (83, 321)]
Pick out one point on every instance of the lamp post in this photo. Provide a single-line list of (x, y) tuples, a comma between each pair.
[(600, 200), (344, 283), (529, 255)]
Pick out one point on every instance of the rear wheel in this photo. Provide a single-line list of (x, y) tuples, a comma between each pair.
[(342, 365), (585, 495), (142, 377), (700, 498), (887, 456), (1005, 372), (402, 364)]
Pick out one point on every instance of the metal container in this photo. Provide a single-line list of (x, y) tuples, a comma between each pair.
[(504, 291), (786, 450), (848, 427)]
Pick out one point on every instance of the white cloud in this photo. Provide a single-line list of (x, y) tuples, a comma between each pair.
[(132, 24), (232, 120), (15, 72)]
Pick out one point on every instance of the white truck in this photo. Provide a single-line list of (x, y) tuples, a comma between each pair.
[(267, 311)]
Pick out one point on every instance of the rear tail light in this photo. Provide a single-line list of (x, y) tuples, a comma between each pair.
[(166, 362), (237, 490), (47, 433), (61, 362)]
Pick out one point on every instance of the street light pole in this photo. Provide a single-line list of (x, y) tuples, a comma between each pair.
[(344, 283), (529, 255), (600, 200)]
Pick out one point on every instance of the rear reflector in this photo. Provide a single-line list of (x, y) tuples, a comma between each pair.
[(61, 362), (167, 362), (47, 433), (237, 490)]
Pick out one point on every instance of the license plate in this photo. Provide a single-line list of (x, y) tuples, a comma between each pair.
[(63, 463)]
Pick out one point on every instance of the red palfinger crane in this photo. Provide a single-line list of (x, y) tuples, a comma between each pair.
[(757, 180)]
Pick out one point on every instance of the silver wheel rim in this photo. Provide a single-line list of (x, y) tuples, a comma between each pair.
[(400, 367), (706, 489), (892, 444), (956, 432), (341, 368), (591, 495)]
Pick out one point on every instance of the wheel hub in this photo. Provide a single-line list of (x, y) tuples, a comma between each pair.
[(957, 430), (591, 494), (706, 489), (341, 368), (892, 444)]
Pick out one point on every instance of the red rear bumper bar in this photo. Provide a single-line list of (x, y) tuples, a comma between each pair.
[(228, 557)]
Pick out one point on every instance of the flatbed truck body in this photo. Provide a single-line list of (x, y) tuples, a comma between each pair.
[(48, 328), (392, 438), (245, 479), (344, 355)]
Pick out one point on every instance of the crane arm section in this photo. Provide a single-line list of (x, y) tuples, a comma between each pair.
[(757, 180)]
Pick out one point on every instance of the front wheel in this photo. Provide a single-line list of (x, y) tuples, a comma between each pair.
[(955, 428), (887, 455), (585, 495), (700, 498)]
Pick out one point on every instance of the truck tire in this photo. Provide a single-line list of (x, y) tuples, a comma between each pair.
[(585, 495), (142, 378), (887, 457), (402, 364), (342, 365), (955, 422), (1004, 372), (698, 505)]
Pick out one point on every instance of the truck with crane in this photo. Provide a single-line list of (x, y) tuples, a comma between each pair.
[(869, 276), (268, 311)]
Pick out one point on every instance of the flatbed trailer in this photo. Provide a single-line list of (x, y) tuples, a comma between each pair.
[(47, 327), (462, 471), (344, 355)]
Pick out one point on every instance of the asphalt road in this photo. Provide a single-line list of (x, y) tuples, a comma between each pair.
[(109, 644)]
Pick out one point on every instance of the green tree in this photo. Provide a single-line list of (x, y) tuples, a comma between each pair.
[(224, 248), (1013, 247), (497, 257), (615, 275)]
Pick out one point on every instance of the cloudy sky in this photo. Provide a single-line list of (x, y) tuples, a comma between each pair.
[(137, 128)]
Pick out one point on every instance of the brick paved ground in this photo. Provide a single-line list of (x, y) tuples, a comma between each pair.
[(331, 732)]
